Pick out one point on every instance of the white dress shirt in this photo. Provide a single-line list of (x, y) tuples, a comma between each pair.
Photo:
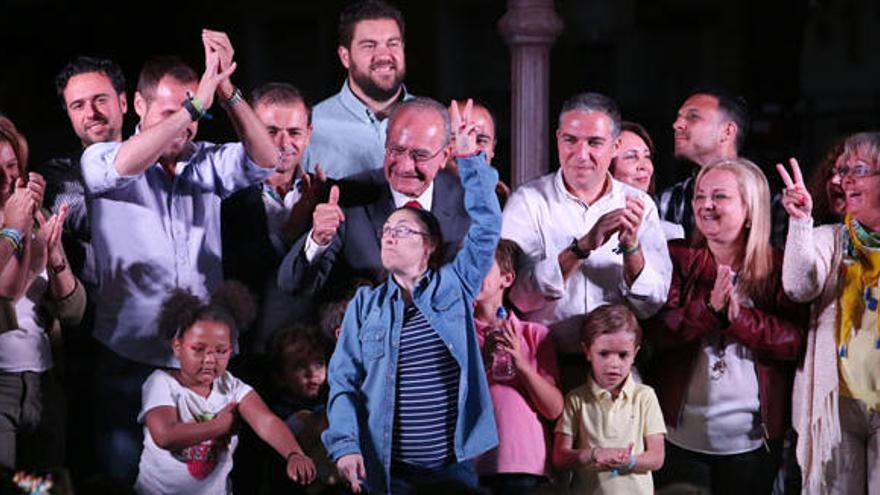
[(543, 218)]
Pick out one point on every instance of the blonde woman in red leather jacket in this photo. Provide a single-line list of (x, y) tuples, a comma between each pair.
[(727, 340)]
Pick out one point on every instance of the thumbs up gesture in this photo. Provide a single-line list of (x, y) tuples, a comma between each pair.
[(326, 218)]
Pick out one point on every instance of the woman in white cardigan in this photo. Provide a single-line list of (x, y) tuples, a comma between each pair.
[(836, 401)]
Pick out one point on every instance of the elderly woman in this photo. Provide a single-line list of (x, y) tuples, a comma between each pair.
[(633, 165), (726, 341), (36, 288), (836, 267), (409, 400)]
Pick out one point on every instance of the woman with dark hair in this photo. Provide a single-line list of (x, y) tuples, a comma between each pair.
[(37, 291), (633, 165), (727, 341), (837, 268), (409, 401), (829, 202)]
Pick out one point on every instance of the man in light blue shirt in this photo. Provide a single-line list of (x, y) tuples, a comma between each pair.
[(350, 126), (154, 206)]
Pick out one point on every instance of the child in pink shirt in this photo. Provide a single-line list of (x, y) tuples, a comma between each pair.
[(529, 400)]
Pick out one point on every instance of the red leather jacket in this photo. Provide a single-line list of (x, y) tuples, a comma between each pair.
[(773, 330)]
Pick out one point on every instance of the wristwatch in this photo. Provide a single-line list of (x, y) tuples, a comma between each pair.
[(576, 250), (233, 100)]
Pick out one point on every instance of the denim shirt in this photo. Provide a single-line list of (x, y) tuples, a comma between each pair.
[(363, 370)]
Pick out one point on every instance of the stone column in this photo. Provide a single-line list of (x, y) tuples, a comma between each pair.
[(529, 28)]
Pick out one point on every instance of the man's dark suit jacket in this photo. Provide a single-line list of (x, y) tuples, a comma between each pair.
[(355, 250), (248, 255)]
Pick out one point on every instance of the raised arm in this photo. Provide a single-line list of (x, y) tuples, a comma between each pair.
[(144, 149), (809, 252), (475, 258), (251, 131)]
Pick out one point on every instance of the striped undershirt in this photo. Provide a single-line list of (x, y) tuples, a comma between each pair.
[(427, 395)]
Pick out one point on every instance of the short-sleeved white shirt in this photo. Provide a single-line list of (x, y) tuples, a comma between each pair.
[(202, 468)]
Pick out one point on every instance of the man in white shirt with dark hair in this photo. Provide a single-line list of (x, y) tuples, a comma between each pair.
[(587, 239)]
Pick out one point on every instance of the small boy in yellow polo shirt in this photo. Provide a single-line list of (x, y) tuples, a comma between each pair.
[(611, 431)]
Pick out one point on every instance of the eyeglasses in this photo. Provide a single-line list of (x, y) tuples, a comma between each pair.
[(858, 171), (418, 156), (398, 232)]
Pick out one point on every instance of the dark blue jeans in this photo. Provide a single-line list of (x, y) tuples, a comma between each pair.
[(458, 478), (512, 483), (119, 438), (752, 473)]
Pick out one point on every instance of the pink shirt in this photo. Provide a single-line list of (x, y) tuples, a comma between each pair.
[(523, 436)]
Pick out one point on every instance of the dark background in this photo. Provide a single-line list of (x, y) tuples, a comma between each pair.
[(809, 68)]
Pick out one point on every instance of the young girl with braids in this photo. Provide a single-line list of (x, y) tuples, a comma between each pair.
[(190, 413)]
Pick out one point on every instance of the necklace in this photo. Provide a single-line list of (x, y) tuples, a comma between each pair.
[(719, 367)]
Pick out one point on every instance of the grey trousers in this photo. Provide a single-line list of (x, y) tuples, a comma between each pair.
[(32, 412), (855, 467)]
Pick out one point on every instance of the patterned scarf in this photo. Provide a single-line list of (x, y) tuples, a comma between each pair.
[(860, 274)]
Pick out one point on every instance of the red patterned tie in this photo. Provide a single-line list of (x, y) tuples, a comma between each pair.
[(414, 204)]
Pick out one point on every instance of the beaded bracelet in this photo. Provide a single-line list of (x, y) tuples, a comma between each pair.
[(15, 239), (627, 251)]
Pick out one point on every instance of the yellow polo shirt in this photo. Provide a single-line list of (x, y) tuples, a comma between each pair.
[(593, 419)]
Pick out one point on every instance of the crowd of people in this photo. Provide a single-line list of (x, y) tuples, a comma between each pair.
[(349, 300)]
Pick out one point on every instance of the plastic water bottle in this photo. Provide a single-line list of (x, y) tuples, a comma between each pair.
[(502, 362)]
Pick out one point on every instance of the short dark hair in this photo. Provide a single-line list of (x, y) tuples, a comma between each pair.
[(297, 345), (231, 304), (640, 131), (506, 254), (608, 319), (156, 68), (85, 65), (280, 93), (331, 313), (735, 108), (818, 182), (424, 103), (594, 102), (365, 11), (435, 234)]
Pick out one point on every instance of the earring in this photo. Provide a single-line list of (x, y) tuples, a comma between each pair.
[(748, 224)]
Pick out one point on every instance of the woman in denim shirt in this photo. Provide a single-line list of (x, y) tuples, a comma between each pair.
[(408, 353)]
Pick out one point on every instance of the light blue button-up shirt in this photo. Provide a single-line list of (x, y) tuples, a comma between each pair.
[(347, 137), (152, 232)]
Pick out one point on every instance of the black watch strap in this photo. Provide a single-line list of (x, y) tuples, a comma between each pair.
[(576, 250)]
